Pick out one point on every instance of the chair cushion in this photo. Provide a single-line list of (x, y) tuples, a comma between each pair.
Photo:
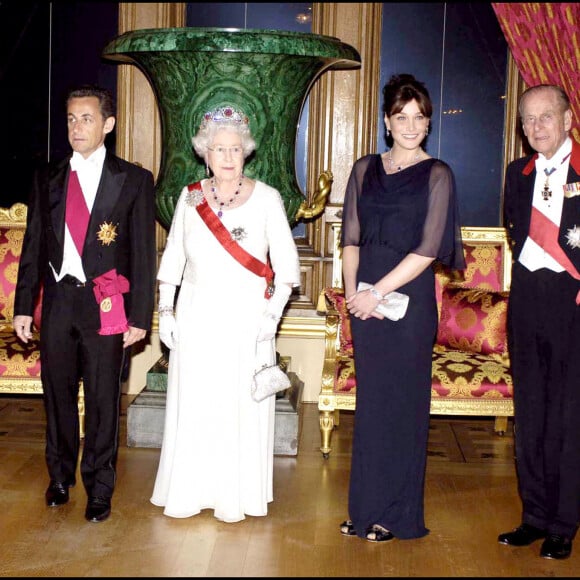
[(459, 374), (338, 301), (18, 360), (10, 249), (473, 320)]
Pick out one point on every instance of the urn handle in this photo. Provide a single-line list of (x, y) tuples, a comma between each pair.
[(319, 198)]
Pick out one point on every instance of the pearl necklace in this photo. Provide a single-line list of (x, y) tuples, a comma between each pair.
[(222, 204), (400, 166)]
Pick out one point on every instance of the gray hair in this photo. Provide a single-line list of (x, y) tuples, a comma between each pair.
[(223, 118), (561, 94)]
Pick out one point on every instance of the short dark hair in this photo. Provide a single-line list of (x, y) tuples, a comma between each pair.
[(106, 101), (400, 90), (560, 93)]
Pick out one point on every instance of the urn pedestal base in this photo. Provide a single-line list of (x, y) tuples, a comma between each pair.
[(146, 414)]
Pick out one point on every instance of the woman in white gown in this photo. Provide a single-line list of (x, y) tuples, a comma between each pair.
[(218, 443)]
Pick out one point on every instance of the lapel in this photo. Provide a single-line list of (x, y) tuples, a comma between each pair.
[(528, 178), (57, 186), (108, 192)]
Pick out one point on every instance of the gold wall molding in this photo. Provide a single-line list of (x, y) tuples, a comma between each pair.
[(342, 126), (513, 136), (139, 135), (138, 122)]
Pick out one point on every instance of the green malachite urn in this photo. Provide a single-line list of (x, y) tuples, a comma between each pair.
[(266, 73)]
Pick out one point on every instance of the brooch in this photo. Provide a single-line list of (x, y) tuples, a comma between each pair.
[(573, 237), (238, 234), (107, 233), (194, 197)]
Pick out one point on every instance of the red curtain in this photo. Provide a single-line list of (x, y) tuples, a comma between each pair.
[(544, 39)]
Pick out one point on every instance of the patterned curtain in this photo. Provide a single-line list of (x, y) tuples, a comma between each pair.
[(544, 39)]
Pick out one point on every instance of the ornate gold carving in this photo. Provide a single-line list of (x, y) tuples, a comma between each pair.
[(15, 215), (319, 198)]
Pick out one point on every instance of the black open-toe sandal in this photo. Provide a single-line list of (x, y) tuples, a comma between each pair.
[(347, 528), (376, 533)]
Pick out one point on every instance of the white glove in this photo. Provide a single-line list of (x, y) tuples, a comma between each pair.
[(168, 330), (167, 322), (271, 316)]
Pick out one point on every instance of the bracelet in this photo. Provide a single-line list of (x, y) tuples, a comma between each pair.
[(165, 311), (376, 293)]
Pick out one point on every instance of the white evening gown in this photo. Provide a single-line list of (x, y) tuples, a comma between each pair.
[(218, 443)]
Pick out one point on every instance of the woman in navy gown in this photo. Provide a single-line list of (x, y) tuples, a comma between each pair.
[(400, 214)]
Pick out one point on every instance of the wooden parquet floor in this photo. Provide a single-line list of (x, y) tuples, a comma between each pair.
[(471, 496)]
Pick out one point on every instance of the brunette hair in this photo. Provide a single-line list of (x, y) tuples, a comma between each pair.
[(106, 101), (400, 90)]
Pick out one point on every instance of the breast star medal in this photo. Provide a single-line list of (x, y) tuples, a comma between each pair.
[(107, 233), (573, 237), (238, 234)]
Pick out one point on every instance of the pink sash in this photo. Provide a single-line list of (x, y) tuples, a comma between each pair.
[(109, 289)]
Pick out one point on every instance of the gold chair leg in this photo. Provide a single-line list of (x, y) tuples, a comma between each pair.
[(326, 428), (500, 425)]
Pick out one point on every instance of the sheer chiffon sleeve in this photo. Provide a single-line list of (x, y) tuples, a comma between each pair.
[(350, 234), (442, 229)]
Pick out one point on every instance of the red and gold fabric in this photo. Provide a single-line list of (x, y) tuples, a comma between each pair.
[(10, 249), (18, 360), (544, 39)]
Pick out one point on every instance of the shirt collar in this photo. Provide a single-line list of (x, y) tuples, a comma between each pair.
[(558, 159), (95, 159)]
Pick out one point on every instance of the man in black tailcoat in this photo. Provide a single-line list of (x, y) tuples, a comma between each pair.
[(90, 246), (542, 216)]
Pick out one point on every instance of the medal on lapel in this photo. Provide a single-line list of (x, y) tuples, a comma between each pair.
[(107, 233)]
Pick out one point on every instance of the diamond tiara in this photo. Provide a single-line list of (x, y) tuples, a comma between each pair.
[(224, 115)]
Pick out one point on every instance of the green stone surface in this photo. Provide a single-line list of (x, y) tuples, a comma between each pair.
[(265, 73), (157, 376)]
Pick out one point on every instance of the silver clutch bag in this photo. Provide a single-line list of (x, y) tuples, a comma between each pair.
[(269, 378), (395, 306), (268, 381)]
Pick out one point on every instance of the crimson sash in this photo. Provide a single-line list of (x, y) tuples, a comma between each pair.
[(225, 239), (545, 233), (77, 212)]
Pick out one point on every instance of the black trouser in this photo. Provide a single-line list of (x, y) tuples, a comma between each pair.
[(544, 345), (71, 348)]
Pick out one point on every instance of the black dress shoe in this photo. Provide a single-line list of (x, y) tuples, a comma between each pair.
[(556, 547), (98, 509), (523, 535), (57, 493)]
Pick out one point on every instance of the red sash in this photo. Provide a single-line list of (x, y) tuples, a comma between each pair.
[(77, 212), (545, 233), (225, 239)]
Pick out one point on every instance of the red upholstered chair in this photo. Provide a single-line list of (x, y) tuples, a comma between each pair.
[(471, 374), (19, 362)]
